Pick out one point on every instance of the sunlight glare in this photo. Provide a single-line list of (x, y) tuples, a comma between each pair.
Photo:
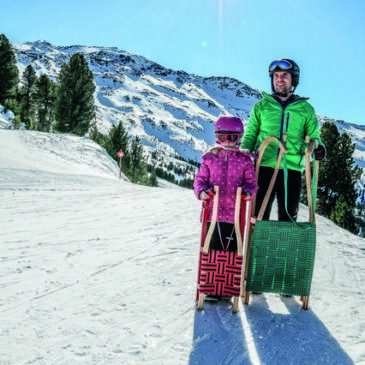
[(250, 341)]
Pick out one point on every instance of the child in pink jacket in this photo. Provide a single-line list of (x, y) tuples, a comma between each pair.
[(229, 168)]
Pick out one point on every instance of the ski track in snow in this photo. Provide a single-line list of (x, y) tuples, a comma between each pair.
[(96, 271)]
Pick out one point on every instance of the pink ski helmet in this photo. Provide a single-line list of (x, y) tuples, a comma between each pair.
[(228, 124), (228, 131)]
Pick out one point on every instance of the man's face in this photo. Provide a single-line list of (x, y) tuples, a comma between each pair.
[(282, 81)]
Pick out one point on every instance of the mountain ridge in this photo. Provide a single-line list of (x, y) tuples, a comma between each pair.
[(172, 111)]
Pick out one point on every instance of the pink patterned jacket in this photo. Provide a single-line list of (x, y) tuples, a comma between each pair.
[(229, 170)]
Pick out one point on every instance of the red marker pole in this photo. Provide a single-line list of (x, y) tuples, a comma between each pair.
[(120, 154)]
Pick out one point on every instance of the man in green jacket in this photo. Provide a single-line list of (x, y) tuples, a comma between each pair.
[(282, 113)]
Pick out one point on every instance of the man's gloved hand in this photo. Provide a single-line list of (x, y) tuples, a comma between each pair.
[(319, 153), (206, 194)]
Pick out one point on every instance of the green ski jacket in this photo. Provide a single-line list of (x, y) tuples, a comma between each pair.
[(270, 119)]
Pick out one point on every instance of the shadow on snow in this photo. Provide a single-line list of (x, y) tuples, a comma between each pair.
[(257, 335), (218, 337)]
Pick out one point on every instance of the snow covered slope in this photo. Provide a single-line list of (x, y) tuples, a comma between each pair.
[(96, 270)]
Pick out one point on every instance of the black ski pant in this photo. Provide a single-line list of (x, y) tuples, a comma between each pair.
[(294, 187)]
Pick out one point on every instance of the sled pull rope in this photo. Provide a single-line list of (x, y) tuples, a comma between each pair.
[(311, 183), (236, 226), (225, 248)]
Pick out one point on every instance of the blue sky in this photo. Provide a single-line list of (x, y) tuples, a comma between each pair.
[(236, 38)]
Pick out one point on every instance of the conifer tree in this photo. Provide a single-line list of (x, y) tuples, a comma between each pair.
[(26, 106), (9, 75), (118, 139), (138, 169), (153, 179), (187, 183), (44, 96), (349, 172), (74, 107), (343, 215), (338, 176), (328, 173), (96, 135)]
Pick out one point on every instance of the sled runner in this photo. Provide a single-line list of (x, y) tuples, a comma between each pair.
[(279, 256), (220, 271)]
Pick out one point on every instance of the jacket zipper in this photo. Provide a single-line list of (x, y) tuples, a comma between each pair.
[(282, 123)]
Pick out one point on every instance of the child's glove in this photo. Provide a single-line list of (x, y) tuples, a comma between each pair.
[(206, 194)]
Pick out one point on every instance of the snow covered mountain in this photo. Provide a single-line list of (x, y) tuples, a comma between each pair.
[(172, 111), (95, 270)]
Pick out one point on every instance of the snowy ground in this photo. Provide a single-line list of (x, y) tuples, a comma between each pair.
[(97, 271)]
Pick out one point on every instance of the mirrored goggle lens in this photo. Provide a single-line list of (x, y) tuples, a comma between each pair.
[(227, 137), (282, 65)]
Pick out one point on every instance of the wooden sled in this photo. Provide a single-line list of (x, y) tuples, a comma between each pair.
[(279, 256), (220, 272)]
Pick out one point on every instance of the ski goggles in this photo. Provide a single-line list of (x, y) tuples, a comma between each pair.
[(231, 137), (280, 64)]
